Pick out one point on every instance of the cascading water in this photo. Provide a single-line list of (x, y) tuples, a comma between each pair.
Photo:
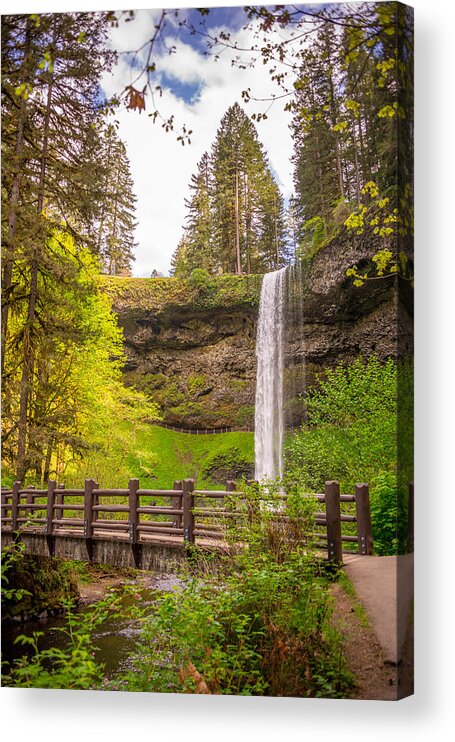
[(268, 422), (280, 376)]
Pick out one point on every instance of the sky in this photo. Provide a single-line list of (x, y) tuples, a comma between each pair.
[(197, 92)]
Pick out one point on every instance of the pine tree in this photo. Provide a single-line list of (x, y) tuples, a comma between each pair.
[(346, 116), (317, 158), (179, 265), (51, 66), (115, 228), (235, 221), (199, 227)]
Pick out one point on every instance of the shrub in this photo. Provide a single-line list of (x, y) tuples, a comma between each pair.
[(261, 631), (74, 665), (388, 515), (244, 416), (200, 279), (260, 625), (228, 465), (351, 435)]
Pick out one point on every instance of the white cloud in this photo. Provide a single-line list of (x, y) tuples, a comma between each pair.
[(160, 166)]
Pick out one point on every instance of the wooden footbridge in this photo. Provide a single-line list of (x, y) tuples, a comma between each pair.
[(150, 529)]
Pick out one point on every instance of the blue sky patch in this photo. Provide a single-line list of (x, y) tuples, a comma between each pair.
[(187, 91), (231, 18)]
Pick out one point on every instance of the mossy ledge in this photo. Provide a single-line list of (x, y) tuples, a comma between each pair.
[(172, 296), (46, 583)]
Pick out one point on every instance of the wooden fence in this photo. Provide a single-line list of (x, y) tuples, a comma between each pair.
[(185, 514), (201, 431), (216, 431)]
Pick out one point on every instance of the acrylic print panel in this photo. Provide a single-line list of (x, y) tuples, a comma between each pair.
[(207, 351)]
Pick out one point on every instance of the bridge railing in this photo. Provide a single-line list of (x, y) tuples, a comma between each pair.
[(184, 513)]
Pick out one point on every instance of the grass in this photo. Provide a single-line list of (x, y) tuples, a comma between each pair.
[(157, 456), (357, 607), (182, 455)]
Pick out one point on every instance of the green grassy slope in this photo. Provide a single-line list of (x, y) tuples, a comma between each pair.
[(158, 456)]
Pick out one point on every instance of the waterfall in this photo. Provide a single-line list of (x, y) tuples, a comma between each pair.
[(281, 368), (268, 422)]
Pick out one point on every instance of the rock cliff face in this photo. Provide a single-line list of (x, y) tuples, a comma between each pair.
[(193, 348)]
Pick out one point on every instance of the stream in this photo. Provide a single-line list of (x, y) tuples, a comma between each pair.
[(114, 641)]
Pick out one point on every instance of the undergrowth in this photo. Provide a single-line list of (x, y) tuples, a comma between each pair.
[(255, 621), (257, 625)]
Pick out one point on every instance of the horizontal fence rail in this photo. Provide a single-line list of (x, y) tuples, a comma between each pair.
[(214, 431), (183, 514), (201, 431)]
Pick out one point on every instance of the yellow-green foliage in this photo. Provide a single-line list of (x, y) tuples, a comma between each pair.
[(379, 217)]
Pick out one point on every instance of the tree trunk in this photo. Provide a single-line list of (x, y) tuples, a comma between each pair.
[(277, 249), (247, 225), (237, 225), (47, 462), (29, 348), (27, 373), (368, 149), (356, 162), (112, 257), (14, 202), (333, 114), (365, 178)]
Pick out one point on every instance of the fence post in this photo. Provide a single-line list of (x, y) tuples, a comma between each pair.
[(95, 501), (50, 540), (410, 540), (60, 501), (30, 499), (15, 506), (89, 486), (177, 504), (333, 520), (364, 530), (188, 516), (51, 487), (4, 502), (133, 518)]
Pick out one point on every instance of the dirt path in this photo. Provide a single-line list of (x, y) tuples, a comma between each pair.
[(362, 650)]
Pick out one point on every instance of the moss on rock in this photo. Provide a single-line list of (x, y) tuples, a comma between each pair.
[(36, 586), (163, 294)]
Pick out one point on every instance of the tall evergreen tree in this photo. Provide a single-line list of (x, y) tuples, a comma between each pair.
[(199, 242), (347, 114), (116, 224), (51, 66), (235, 221)]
